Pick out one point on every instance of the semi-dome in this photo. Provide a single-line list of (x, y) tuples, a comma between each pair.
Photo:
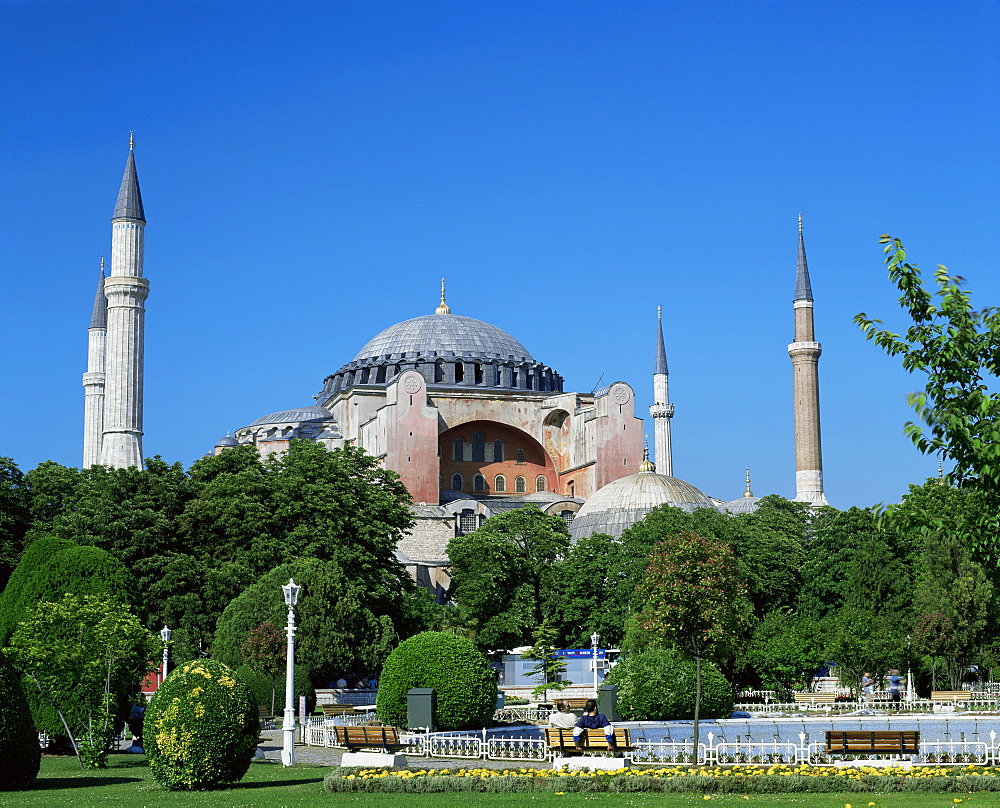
[(442, 333), (742, 505), (620, 504), (227, 442), (295, 416)]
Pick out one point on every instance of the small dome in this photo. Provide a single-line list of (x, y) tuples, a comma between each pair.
[(440, 333), (295, 416), (620, 504), (744, 504), (226, 442)]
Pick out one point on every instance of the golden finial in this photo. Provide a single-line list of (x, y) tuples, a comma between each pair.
[(443, 307), (940, 473), (646, 464), (748, 492), (131, 140), (800, 223)]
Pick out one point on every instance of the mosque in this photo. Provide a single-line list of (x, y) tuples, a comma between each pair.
[(472, 422)]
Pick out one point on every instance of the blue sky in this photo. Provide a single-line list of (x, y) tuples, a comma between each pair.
[(311, 170)]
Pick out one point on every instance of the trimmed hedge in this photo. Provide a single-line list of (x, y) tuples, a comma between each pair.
[(659, 685), (465, 686), (201, 727), (14, 601), (20, 754)]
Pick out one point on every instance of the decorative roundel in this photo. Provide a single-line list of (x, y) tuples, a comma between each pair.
[(621, 394), (411, 384)]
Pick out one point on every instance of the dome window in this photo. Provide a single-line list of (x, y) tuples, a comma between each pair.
[(478, 447), (540, 482), (520, 457), (479, 373), (438, 370), (457, 483), (479, 483), (459, 372), (459, 450), (500, 484), (498, 451), (520, 485)]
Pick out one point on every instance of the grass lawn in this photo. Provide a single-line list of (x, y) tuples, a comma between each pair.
[(128, 782)]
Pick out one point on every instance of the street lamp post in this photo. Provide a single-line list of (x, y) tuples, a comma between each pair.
[(291, 591), (165, 636), (910, 695), (595, 638)]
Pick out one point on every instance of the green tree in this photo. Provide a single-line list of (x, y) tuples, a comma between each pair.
[(85, 657), (14, 517), (595, 586), (504, 575), (857, 640), (957, 351), (549, 667), (264, 649), (787, 650), (695, 598), (19, 749)]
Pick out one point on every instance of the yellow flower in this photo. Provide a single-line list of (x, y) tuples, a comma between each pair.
[(707, 797)]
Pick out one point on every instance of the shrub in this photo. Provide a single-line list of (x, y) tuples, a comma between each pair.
[(269, 691), (465, 686), (14, 602), (659, 685), (19, 748), (201, 727)]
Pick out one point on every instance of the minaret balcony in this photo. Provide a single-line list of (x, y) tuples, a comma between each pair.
[(662, 410)]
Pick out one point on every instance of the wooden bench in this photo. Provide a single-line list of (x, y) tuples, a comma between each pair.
[(872, 743), (264, 717), (561, 740), (952, 696), (815, 698), (354, 738), (334, 710)]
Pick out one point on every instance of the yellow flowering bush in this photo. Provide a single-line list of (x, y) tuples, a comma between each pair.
[(779, 778), (201, 727)]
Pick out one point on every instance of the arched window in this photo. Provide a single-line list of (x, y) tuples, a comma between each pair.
[(500, 484), (364, 376), (496, 375), (457, 483), (479, 373), (479, 483), (459, 449), (467, 521), (439, 370), (520, 485), (478, 447), (380, 375), (567, 516), (520, 457), (459, 371), (498, 451), (540, 482)]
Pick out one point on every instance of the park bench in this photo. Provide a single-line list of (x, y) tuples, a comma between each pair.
[(852, 742), (951, 696), (561, 740), (334, 710), (354, 738), (265, 718), (814, 699)]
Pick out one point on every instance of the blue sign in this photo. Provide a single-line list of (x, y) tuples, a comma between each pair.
[(580, 652)]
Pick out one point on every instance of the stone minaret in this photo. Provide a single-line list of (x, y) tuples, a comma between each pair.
[(126, 290), (661, 410), (93, 379), (805, 352)]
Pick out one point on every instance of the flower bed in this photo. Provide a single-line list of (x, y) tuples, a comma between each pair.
[(729, 780)]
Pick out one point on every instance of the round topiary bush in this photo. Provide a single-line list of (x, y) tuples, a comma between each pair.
[(659, 685), (465, 686), (19, 750), (201, 727)]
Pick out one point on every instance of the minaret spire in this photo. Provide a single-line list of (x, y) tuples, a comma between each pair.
[(443, 306), (126, 290), (805, 353), (661, 410), (93, 379)]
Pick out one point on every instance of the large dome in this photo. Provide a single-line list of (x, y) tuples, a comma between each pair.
[(622, 503), (441, 333)]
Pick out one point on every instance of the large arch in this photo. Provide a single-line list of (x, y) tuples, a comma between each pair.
[(478, 457)]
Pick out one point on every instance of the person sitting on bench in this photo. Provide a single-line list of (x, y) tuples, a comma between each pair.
[(593, 720)]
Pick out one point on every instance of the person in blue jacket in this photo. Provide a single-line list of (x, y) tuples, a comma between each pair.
[(593, 720)]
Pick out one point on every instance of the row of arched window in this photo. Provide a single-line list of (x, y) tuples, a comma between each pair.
[(499, 483), (478, 453)]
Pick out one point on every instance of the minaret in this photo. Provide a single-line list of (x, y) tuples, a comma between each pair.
[(805, 352), (661, 410), (126, 290), (93, 379)]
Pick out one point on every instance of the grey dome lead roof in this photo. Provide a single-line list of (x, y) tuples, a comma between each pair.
[(296, 415), (440, 333)]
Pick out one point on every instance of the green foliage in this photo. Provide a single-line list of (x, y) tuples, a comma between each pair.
[(14, 517), (464, 685), (269, 689), (550, 668), (18, 596), (265, 648), (336, 627), (201, 727), (85, 657), (19, 749), (787, 650), (504, 575), (660, 685), (956, 349)]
